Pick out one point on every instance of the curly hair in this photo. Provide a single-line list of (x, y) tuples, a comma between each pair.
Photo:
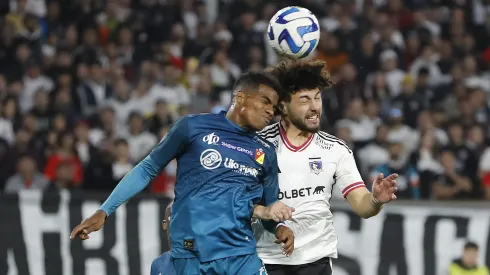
[(298, 75)]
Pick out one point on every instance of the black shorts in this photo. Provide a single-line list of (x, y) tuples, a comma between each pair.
[(320, 267)]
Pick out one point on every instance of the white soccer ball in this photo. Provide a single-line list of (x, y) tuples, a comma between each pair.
[(294, 32)]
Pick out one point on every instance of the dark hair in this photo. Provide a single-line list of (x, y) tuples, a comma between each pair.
[(120, 141), (297, 75), (471, 245), (254, 79)]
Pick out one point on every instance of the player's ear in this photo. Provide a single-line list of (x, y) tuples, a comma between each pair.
[(282, 107), (240, 97)]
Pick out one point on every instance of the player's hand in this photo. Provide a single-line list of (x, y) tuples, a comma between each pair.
[(278, 212), (384, 188), (285, 236), (89, 225)]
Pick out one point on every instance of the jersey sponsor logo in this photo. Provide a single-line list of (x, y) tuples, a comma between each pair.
[(237, 148), (240, 168), (300, 193), (263, 143), (319, 189), (210, 159), (259, 156), (316, 165), (189, 244), (211, 139), (323, 143)]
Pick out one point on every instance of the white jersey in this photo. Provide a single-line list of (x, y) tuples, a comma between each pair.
[(307, 174)]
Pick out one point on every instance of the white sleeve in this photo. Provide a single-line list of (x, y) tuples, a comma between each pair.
[(347, 176)]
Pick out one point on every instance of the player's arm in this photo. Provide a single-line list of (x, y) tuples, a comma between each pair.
[(276, 211), (273, 212), (348, 178), (171, 146)]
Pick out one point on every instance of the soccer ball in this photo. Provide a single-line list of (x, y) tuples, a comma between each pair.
[(294, 32)]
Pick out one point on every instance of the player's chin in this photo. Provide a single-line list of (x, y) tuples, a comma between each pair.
[(312, 126), (260, 124)]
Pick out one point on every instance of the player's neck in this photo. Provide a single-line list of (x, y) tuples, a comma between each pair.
[(234, 116), (295, 135)]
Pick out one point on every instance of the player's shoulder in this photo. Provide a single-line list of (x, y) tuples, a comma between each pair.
[(329, 142), (270, 133), (199, 117), (204, 120), (162, 261)]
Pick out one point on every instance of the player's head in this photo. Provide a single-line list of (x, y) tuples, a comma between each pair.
[(166, 220), (256, 96), (470, 254), (303, 82)]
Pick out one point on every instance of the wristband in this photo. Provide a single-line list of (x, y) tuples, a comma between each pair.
[(281, 224)]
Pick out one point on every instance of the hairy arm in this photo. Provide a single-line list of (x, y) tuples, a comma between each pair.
[(348, 178), (363, 203)]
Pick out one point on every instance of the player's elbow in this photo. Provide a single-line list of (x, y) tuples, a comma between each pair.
[(367, 215)]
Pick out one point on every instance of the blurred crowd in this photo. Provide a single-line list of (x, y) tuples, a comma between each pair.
[(89, 87)]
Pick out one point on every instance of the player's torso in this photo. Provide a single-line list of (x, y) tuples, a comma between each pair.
[(306, 180), (219, 176), (307, 172), (219, 155)]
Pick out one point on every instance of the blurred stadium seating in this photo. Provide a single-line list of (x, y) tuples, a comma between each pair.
[(88, 87)]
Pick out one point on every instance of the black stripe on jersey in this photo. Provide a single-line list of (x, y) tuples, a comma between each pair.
[(331, 138), (269, 133), (335, 139), (315, 158), (270, 136), (271, 130)]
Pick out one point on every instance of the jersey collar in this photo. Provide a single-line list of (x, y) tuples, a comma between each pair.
[(289, 145)]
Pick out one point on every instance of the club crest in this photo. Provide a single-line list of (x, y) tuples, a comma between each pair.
[(316, 165)]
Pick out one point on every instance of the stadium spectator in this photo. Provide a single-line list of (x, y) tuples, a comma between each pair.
[(468, 263), (27, 177), (89, 68)]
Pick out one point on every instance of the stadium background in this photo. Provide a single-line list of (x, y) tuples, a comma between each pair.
[(88, 87)]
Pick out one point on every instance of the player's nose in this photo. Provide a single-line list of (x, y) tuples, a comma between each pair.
[(315, 106), (270, 111)]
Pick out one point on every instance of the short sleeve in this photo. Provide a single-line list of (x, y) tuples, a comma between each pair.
[(347, 176)]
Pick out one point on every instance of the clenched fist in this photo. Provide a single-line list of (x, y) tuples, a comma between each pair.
[(277, 212)]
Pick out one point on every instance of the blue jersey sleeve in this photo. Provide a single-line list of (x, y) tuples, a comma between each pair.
[(271, 189), (154, 268), (271, 182), (171, 146)]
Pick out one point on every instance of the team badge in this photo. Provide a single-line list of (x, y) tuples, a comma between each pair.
[(259, 156), (316, 165)]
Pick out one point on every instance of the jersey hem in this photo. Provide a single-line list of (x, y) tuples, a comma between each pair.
[(221, 255), (288, 261)]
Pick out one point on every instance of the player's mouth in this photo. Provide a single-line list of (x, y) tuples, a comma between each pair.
[(313, 118), (267, 119)]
